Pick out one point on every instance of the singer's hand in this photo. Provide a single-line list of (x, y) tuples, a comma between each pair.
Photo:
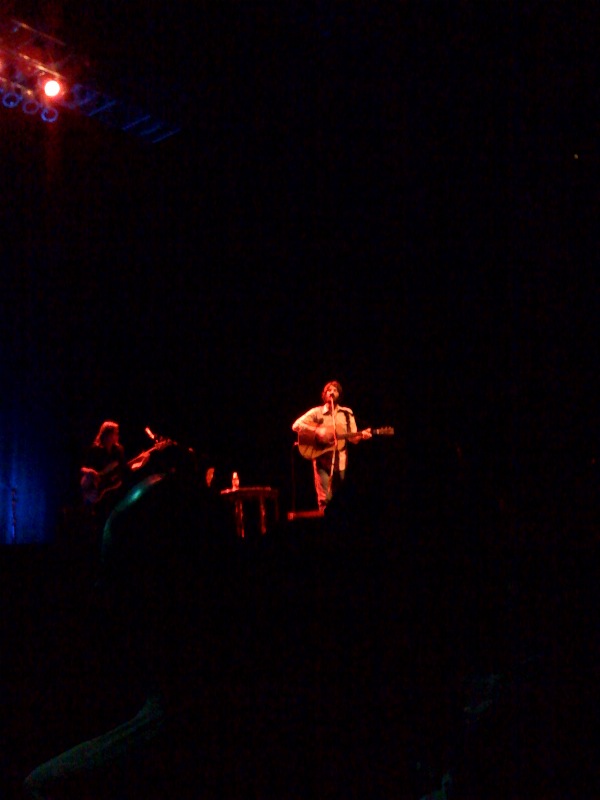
[(360, 435)]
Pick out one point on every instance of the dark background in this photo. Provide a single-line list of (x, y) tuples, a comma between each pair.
[(401, 198)]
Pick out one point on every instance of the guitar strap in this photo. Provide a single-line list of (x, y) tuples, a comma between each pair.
[(347, 415)]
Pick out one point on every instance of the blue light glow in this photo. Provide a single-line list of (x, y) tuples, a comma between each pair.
[(26, 514)]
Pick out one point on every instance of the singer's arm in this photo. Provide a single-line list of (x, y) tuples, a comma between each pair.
[(308, 421), (353, 429)]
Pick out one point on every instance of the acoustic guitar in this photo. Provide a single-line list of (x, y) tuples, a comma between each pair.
[(313, 442), (96, 484)]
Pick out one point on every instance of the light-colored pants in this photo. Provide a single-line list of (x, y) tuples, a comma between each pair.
[(325, 485)]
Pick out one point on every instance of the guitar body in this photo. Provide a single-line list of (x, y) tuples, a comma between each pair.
[(314, 442), (95, 485)]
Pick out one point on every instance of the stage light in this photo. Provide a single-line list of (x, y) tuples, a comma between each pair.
[(49, 114), (33, 77), (11, 99), (52, 88), (30, 106)]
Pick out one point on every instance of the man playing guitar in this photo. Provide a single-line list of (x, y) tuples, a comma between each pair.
[(322, 435)]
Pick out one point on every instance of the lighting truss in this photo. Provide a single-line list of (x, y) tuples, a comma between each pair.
[(29, 58)]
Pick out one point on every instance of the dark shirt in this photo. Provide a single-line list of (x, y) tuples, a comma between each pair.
[(99, 458), (112, 469)]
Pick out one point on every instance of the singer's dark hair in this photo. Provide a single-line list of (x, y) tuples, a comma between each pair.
[(337, 385)]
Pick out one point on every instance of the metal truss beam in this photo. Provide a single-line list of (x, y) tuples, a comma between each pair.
[(27, 55)]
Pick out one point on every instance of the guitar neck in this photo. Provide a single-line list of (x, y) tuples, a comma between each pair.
[(374, 432), (348, 434), (140, 456), (310, 447), (159, 445)]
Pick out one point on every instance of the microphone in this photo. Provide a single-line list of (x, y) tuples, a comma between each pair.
[(149, 433)]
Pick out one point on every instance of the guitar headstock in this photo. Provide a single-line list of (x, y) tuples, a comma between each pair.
[(387, 431)]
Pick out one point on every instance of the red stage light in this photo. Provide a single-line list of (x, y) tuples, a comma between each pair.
[(52, 88)]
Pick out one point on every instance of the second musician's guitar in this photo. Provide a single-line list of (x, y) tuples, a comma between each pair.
[(97, 484), (313, 442)]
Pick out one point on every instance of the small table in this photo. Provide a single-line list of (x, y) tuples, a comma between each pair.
[(258, 493)]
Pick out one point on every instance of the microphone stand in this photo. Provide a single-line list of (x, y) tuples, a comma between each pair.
[(333, 454)]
